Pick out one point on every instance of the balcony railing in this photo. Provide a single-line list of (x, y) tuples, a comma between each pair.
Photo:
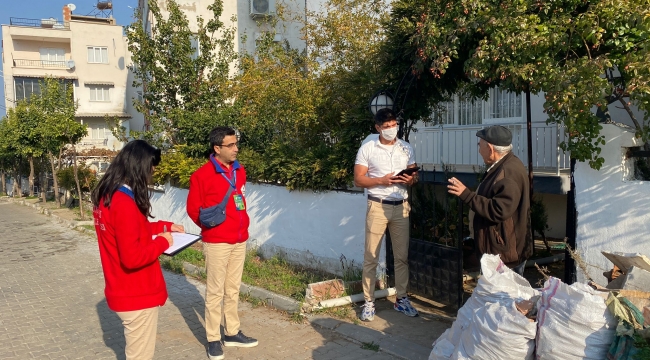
[(40, 63), (40, 23), (456, 146)]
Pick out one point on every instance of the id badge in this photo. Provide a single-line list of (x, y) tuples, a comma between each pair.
[(239, 202)]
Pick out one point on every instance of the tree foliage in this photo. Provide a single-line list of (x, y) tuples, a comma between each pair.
[(303, 113), (184, 93), (568, 49)]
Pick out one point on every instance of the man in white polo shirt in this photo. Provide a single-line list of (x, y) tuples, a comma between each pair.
[(378, 161)]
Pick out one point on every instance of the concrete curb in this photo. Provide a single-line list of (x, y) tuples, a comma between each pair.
[(271, 299), (363, 335), (75, 225)]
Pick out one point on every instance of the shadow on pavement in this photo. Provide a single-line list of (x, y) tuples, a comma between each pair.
[(189, 302), (112, 330), (390, 331)]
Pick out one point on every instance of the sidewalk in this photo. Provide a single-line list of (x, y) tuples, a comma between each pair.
[(84, 319)]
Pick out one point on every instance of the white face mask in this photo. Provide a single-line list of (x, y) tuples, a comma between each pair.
[(389, 134)]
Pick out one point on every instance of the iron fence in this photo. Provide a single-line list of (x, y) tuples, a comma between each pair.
[(438, 224), (40, 23), (40, 63)]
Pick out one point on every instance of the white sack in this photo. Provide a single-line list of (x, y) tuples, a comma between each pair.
[(573, 323), (498, 331), (496, 284)]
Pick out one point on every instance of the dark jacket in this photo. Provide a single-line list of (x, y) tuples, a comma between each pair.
[(502, 211)]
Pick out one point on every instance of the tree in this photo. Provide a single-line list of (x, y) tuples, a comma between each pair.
[(568, 49), (58, 128), (303, 113), (185, 89), (24, 119)]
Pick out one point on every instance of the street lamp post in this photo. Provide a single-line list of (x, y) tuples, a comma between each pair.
[(382, 100)]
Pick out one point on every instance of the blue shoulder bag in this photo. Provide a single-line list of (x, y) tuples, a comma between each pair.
[(215, 215)]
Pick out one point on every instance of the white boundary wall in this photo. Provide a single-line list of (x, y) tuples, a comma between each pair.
[(612, 207), (307, 228)]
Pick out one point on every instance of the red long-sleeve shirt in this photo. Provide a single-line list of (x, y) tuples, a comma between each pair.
[(207, 188), (129, 256)]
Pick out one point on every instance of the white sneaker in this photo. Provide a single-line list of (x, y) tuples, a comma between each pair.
[(368, 311)]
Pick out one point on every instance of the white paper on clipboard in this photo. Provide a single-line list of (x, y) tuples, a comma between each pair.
[(181, 240)]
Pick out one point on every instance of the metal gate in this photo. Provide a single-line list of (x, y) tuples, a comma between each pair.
[(438, 225)]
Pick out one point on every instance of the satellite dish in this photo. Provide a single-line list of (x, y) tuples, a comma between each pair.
[(72, 7), (70, 64)]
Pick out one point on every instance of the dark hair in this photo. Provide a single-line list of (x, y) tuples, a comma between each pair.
[(217, 134), (384, 115), (132, 166)]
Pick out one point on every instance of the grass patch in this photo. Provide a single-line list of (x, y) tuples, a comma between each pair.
[(277, 275), (87, 211), (89, 227), (345, 312), (171, 264), (31, 197), (192, 256), (255, 302), (370, 346)]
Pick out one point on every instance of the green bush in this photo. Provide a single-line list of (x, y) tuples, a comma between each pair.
[(87, 178)]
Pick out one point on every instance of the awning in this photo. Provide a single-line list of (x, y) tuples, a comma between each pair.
[(102, 115), (43, 76), (105, 83)]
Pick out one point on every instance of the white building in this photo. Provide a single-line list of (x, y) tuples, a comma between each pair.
[(88, 52), (251, 19)]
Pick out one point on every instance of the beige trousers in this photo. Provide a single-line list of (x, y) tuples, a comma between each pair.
[(225, 265), (396, 218), (140, 332)]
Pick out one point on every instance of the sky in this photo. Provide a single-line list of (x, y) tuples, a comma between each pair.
[(44, 9)]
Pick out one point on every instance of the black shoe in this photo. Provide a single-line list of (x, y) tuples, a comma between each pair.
[(215, 352), (239, 340)]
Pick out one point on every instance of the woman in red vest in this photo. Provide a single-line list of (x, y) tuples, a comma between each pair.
[(129, 245)]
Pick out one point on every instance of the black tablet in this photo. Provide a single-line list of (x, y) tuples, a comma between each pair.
[(408, 171)]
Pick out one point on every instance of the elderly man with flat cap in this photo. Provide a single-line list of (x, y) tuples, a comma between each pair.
[(500, 205)]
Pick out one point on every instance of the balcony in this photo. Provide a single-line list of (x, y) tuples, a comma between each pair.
[(49, 64), (456, 146), (47, 30), (40, 23)]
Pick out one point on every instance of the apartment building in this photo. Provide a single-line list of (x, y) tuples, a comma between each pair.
[(89, 53), (251, 18)]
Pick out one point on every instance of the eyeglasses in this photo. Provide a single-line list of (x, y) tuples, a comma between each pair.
[(230, 146)]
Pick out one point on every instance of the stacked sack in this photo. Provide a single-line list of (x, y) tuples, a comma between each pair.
[(489, 326), (573, 322)]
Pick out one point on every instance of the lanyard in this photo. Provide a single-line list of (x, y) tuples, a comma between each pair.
[(232, 183)]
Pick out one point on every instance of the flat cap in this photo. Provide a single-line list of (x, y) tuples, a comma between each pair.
[(496, 135)]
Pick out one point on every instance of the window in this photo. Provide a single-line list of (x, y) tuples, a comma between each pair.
[(97, 55), (470, 112), (99, 93), (25, 87), (445, 114), (504, 104), (99, 131), (51, 56), (194, 42)]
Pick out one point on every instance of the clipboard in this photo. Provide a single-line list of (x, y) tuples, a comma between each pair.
[(181, 242)]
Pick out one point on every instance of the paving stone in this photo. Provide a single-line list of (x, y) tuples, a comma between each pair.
[(52, 305)]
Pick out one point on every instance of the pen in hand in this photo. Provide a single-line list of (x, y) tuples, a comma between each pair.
[(167, 235)]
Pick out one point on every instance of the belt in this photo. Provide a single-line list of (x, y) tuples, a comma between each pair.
[(387, 202)]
